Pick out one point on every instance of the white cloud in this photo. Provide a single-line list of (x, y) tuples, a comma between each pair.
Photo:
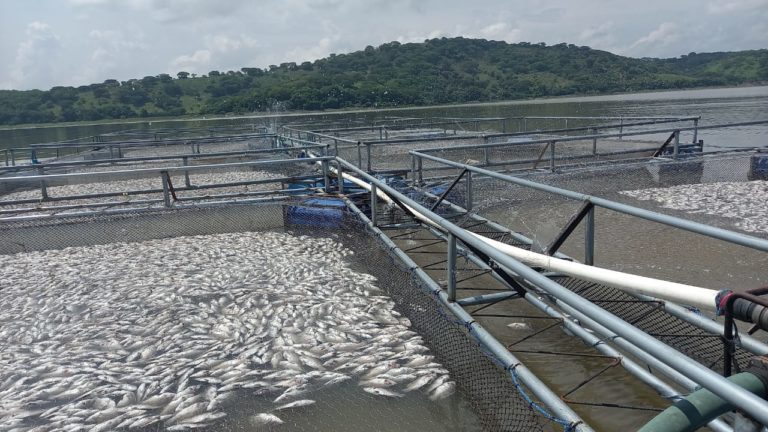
[(420, 37), (664, 35), (501, 31), (221, 51), (168, 11), (88, 2), (36, 57), (602, 35), (134, 38), (110, 47), (322, 48), (197, 62), (735, 6)]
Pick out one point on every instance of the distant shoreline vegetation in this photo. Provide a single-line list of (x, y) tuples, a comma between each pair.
[(435, 72)]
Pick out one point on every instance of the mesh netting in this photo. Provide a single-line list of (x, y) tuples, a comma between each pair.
[(711, 189), (159, 308)]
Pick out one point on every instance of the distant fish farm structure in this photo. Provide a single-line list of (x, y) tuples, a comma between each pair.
[(370, 272)]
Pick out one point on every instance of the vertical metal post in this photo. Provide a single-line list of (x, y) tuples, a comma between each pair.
[(566, 123), (413, 168), (594, 142), (340, 177), (368, 154), (43, 186), (552, 156), (676, 149), (419, 170), (374, 204), (58, 153), (451, 267), (486, 156), (198, 148), (166, 193), (381, 132), (111, 152), (13, 158), (589, 237), (185, 162), (326, 177), (468, 196), (7, 161), (359, 155), (525, 124), (695, 130), (336, 147), (504, 125)]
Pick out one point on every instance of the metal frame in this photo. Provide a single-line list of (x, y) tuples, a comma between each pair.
[(511, 364), (677, 147), (695, 227), (119, 146), (753, 405), (168, 191)]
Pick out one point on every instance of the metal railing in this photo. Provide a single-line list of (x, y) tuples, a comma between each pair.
[(551, 144), (164, 175), (592, 201), (36, 151), (366, 156), (184, 158), (753, 405)]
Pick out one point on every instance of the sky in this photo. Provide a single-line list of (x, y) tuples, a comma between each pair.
[(46, 43)]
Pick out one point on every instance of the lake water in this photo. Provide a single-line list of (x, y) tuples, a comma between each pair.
[(715, 106)]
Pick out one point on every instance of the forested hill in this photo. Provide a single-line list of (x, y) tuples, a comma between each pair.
[(434, 72)]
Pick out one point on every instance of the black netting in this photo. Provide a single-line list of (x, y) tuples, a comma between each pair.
[(701, 346)]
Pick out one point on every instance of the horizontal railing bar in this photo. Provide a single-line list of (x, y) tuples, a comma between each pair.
[(171, 170), (607, 118), (149, 143), (699, 228), (532, 132), (598, 136), (147, 210), (153, 158), (320, 134), (154, 191)]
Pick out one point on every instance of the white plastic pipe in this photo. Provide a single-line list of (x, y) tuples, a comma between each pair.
[(702, 298)]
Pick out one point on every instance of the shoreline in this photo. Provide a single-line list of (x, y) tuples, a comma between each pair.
[(644, 95)]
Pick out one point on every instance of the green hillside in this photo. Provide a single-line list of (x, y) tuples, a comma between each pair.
[(436, 71)]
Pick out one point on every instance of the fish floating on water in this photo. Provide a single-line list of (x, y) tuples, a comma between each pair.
[(742, 201), (165, 333)]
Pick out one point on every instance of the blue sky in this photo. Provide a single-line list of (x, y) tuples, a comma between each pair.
[(44, 43)]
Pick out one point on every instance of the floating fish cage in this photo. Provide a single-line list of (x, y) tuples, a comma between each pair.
[(340, 276)]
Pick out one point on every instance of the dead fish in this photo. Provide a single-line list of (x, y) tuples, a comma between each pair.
[(445, 390), (265, 419), (381, 392)]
